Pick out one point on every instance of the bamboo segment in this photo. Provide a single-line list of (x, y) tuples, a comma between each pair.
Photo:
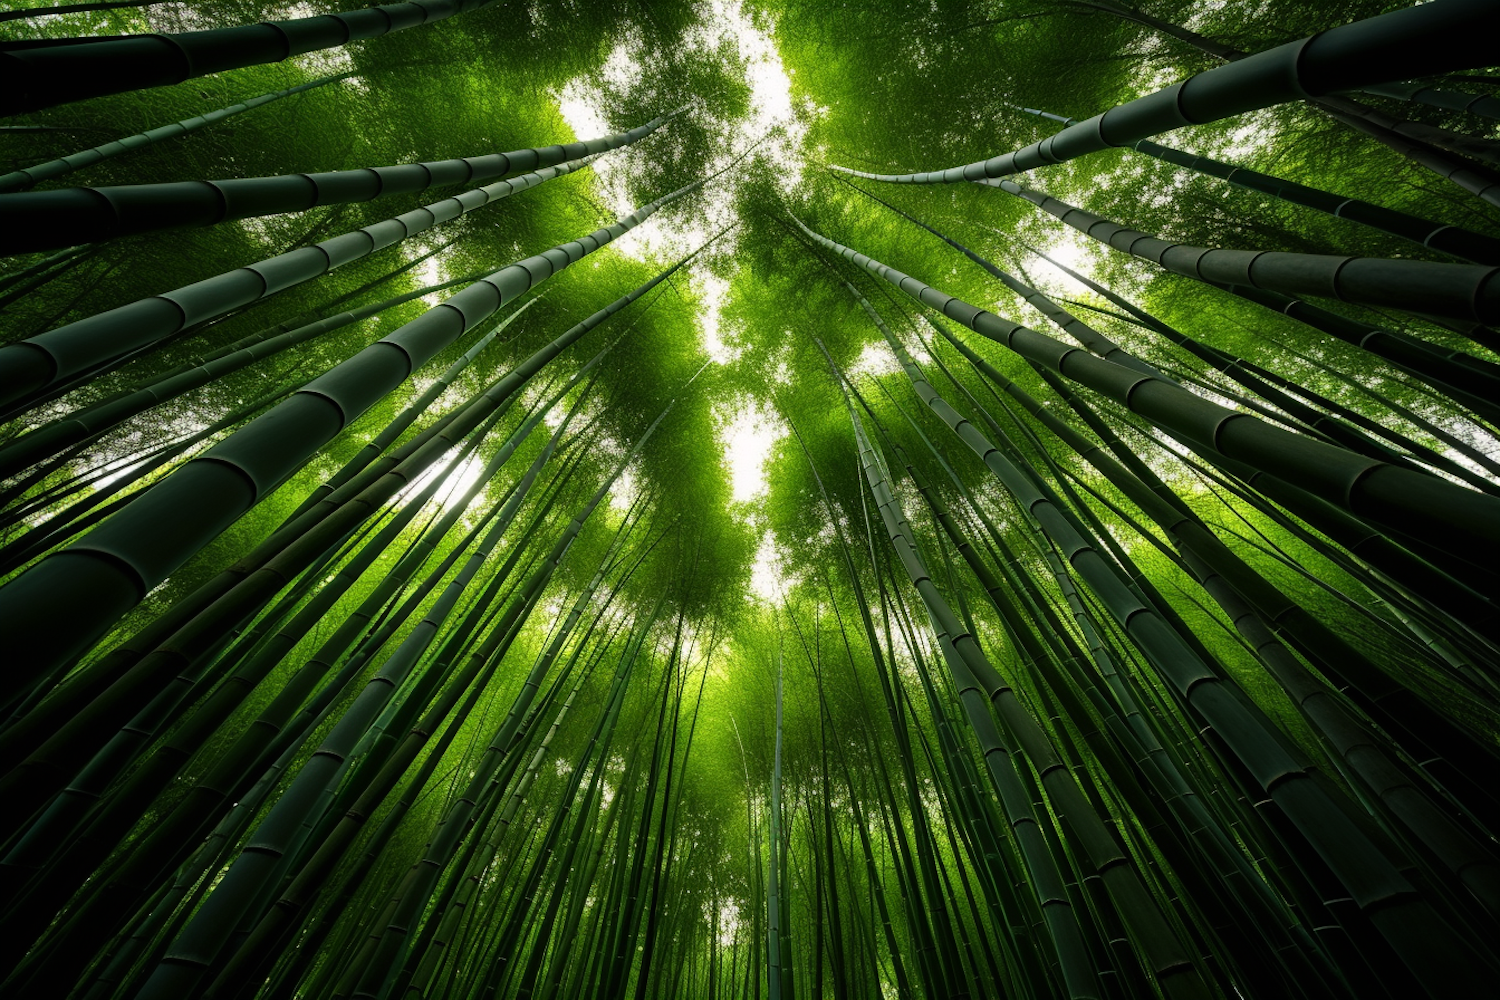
[(45, 220), (90, 345), (127, 555), (1462, 291), (88, 422), (44, 360), (19, 180), (1437, 97), (1377, 50), (1447, 516), (35, 78)]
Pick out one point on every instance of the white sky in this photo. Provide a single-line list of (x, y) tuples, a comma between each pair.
[(723, 24), (747, 437), (768, 579), (747, 431)]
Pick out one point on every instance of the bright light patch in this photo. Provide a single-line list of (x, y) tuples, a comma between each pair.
[(711, 289), (771, 128), (458, 481), (582, 117), (624, 491), (1249, 140), (768, 579), (430, 272), (1069, 248), (748, 439), (729, 921), (874, 360)]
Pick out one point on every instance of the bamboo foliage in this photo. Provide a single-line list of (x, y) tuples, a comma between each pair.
[(93, 214), (18, 180), (1368, 52), (35, 78), (372, 635)]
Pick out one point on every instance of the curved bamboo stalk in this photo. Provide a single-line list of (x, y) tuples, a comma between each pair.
[(1381, 892), (19, 180), (1448, 239), (30, 367), (1422, 144), (1437, 97), (1223, 361), (35, 78), (1268, 386), (104, 501), (1454, 241), (127, 555), (1411, 285), (1447, 516), (87, 422), (35, 221), (1375, 50), (41, 367)]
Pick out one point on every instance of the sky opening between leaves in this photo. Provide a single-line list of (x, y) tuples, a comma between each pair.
[(774, 93)]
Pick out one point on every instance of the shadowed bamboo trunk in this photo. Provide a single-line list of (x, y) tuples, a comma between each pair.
[(34, 78), (19, 180), (127, 555), (45, 220), (1175, 971), (29, 367), (1268, 277), (1449, 517), (1377, 50)]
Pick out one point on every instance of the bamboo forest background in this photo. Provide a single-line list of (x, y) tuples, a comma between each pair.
[(658, 564)]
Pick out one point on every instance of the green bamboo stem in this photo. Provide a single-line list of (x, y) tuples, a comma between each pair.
[(1175, 971), (1256, 381), (371, 969), (1446, 516), (19, 180), (83, 514), (287, 910), (1402, 283), (1459, 852), (1379, 889), (1447, 239), (1437, 97), (149, 779), (1420, 143), (30, 367), (46, 220), (35, 78), (246, 591), (87, 422), (1348, 57), (1224, 362), (127, 555)]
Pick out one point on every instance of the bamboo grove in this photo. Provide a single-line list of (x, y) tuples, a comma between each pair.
[(742, 499)]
